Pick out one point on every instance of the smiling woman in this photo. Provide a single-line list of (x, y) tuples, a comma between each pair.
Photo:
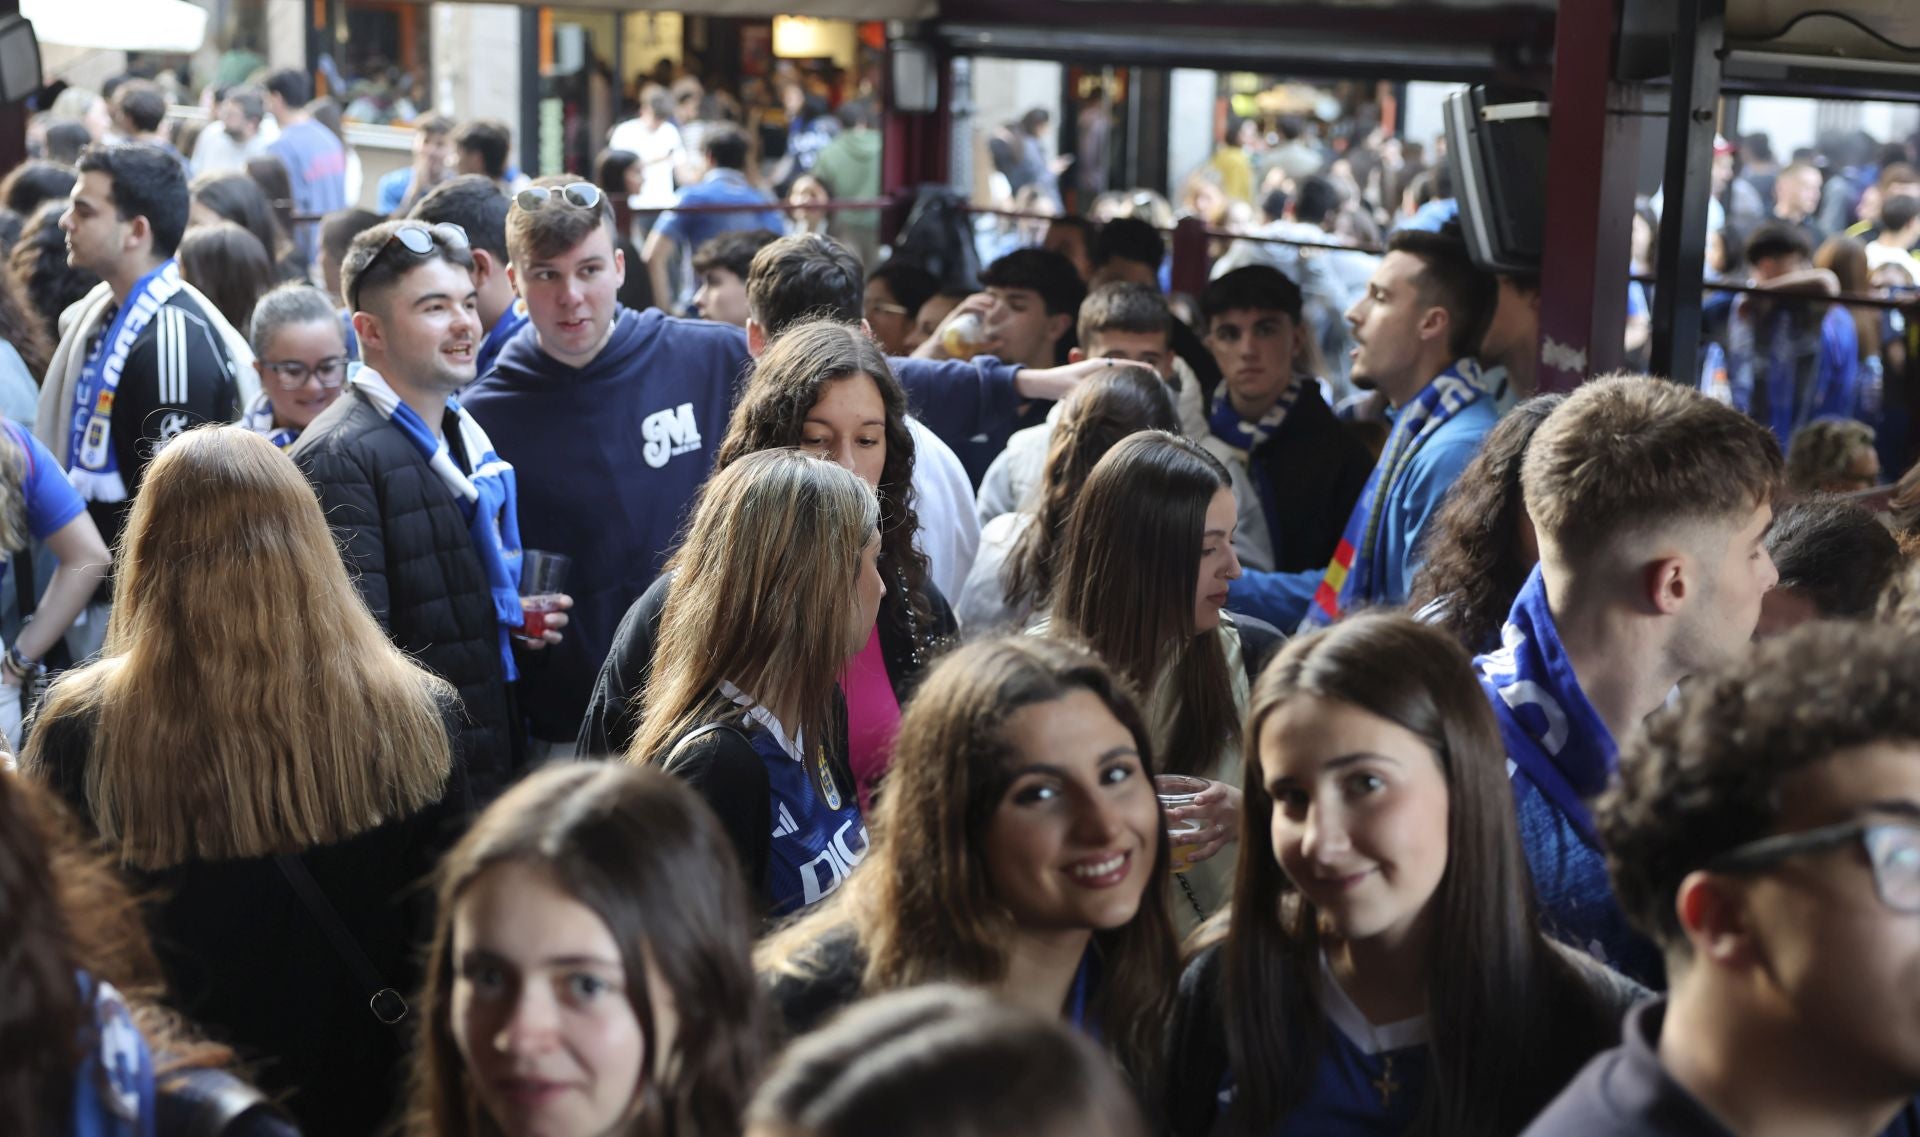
[(1018, 846), (1382, 913)]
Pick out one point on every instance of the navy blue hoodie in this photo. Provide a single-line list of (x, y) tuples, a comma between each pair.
[(608, 458), (970, 404)]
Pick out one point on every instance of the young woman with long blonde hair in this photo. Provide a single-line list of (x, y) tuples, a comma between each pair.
[(775, 588), (249, 738)]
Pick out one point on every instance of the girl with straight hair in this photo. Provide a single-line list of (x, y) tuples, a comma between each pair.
[(1012, 573), (1382, 968), (1142, 579), (590, 972), (773, 591), (914, 1064), (249, 737), (1481, 547), (826, 389), (1018, 847)]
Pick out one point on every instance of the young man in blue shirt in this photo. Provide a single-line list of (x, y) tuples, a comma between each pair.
[(725, 183), (1651, 504), (610, 415), (1765, 831), (315, 159), (1415, 330)]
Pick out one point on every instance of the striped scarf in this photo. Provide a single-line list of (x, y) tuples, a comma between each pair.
[(259, 419), (1350, 577), (488, 498), (92, 465)]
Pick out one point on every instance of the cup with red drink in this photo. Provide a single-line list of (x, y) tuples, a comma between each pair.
[(543, 581)]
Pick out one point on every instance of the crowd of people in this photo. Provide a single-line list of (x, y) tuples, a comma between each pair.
[(464, 699)]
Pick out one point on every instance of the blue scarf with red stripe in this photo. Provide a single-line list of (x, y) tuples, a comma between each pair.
[(1349, 580)]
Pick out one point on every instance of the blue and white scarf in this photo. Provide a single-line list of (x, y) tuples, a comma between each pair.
[(1551, 732), (488, 498), (1226, 424), (1350, 576), (92, 466), (259, 419), (113, 1090)]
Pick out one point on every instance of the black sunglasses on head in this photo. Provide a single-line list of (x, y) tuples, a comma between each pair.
[(580, 195), (416, 237)]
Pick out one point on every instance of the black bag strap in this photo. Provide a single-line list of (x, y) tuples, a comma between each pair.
[(387, 1004), (695, 735), (206, 1103)]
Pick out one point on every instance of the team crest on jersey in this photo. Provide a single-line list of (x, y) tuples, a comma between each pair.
[(828, 787), (172, 425)]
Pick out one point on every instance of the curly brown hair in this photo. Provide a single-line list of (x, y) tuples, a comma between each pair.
[(1473, 564), (772, 412), (1702, 776)]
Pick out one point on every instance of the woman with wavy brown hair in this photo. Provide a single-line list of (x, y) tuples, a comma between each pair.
[(1018, 847), (82, 1012), (590, 972), (1480, 546), (251, 744), (826, 389)]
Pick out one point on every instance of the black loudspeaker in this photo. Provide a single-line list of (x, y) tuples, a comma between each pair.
[(19, 59), (1497, 148)]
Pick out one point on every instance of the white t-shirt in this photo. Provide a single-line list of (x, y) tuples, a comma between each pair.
[(659, 149), (943, 497)]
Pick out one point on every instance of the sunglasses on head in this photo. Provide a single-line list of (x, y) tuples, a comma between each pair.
[(579, 195), (416, 237)]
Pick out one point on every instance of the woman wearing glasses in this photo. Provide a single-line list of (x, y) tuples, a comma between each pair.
[(300, 351)]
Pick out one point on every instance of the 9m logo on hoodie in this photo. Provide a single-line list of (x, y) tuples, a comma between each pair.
[(669, 434)]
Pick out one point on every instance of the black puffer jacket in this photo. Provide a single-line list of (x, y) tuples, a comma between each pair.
[(407, 548)]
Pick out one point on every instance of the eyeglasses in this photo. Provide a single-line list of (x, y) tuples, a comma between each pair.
[(417, 238), (580, 195), (292, 374), (1893, 852)]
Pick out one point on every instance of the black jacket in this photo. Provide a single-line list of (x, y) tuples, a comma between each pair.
[(613, 713), (1315, 469), (246, 961), (407, 548)]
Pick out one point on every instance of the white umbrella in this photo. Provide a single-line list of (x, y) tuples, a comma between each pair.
[(118, 25)]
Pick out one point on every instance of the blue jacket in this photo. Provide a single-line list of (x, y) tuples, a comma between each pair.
[(1281, 598), (970, 404), (609, 457)]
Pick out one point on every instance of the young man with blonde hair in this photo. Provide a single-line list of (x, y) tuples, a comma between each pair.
[(1651, 504)]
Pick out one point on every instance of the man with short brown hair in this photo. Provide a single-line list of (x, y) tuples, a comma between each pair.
[(1651, 503), (610, 415)]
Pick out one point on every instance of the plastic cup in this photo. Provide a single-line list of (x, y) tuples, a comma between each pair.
[(1175, 791), (543, 578), (965, 336)]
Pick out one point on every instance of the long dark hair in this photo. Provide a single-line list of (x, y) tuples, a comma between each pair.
[(787, 381), (1108, 406), (922, 904), (229, 266), (243, 200), (1125, 579), (38, 262), (1510, 1021), (1474, 565), (649, 858), (23, 327)]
